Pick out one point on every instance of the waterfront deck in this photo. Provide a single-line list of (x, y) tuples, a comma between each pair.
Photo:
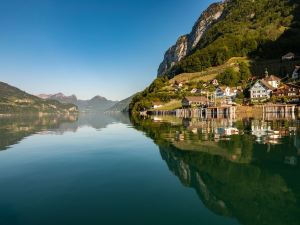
[(280, 108), (280, 111), (207, 112)]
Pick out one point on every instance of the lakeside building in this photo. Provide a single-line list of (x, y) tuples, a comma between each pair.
[(295, 75), (215, 82), (222, 92), (291, 91), (289, 56), (263, 88), (156, 105), (194, 101), (194, 91), (273, 81)]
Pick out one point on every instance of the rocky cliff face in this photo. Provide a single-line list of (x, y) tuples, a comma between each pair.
[(185, 44)]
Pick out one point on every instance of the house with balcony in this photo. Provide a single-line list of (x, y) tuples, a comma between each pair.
[(261, 90)]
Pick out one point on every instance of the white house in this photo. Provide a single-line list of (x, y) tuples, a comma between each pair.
[(215, 82), (194, 91), (288, 56), (296, 72), (226, 92), (273, 81), (203, 92), (156, 105), (261, 90)]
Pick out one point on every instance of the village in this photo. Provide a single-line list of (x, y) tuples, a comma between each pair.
[(272, 93)]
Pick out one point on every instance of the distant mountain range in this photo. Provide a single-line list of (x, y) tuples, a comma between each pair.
[(15, 101), (122, 106), (96, 104)]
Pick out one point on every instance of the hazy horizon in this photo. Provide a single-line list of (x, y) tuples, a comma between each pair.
[(88, 48)]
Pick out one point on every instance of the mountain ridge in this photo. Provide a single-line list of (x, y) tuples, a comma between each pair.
[(186, 43), (95, 104), (259, 32), (15, 101), (121, 106), (263, 30)]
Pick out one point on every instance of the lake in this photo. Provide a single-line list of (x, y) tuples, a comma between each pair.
[(109, 169)]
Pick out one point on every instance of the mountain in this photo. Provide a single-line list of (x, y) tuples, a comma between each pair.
[(13, 100), (259, 29), (186, 43), (96, 104), (240, 37), (122, 106)]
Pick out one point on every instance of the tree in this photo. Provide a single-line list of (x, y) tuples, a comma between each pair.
[(229, 77), (245, 73)]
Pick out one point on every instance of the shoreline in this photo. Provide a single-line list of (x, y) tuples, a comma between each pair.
[(240, 112)]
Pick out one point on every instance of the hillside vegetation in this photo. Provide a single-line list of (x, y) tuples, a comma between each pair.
[(251, 35), (165, 89), (15, 101), (260, 29)]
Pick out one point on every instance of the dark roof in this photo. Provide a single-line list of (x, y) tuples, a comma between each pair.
[(293, 85), (196, 98), (290, 54)]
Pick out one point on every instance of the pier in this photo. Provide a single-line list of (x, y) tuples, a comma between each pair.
[(279, 108), (205, 112), (280, 111)]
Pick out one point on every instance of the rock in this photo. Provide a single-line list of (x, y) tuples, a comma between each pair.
[(186, 43)]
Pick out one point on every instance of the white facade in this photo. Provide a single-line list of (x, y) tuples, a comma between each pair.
[(227, 92), (295, 74), (259, 90), (194, 91), (274, 83)]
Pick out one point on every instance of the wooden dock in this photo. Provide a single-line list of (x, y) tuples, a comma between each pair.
[(280, 111), (209, 112), (267, 111), (280, 108)]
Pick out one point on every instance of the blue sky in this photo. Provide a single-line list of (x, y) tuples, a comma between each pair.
[(110, 48)]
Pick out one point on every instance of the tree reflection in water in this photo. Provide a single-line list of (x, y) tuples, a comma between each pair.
[(247, 169)]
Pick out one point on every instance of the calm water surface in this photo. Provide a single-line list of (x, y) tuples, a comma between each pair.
[(109, 169)]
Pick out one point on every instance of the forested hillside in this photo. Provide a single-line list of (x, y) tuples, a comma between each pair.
[(15, 101), (260, 29), (258, 32)]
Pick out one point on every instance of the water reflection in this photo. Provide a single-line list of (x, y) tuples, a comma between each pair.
[(16, 128), (246, 169)]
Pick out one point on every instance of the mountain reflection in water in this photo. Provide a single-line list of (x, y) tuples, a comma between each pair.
[(245, 169), (14, 129)]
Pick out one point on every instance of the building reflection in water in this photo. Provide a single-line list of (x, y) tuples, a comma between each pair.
[(246, 169)]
